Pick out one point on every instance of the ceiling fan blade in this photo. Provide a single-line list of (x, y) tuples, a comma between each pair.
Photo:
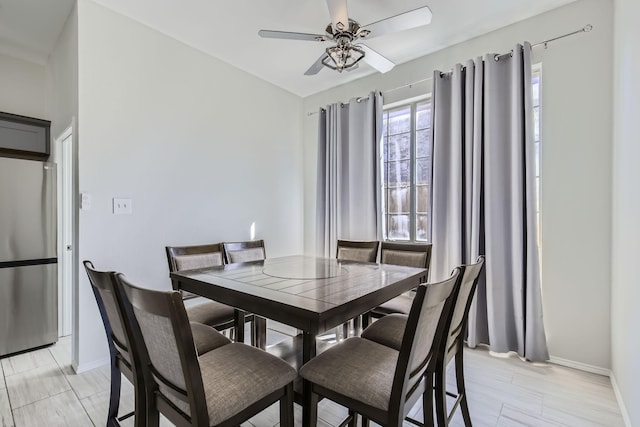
[(339, 15), (291, 36), (317, 66), (376, 60), (404, 21)]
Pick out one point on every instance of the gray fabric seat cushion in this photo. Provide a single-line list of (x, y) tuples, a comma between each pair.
[(360, 369), (206, 338), (237, 375), (399, 304), (207, 312), (387, 331)]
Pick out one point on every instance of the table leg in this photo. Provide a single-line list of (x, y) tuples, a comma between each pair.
[(259, 332), (238, 321), (310, 406)]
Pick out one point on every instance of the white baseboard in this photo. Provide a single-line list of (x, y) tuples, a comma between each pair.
[(623, 408), (84, 367), (580, 366)]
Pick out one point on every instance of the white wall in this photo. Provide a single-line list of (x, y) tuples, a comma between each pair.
[(202, 148), (625, 292), (22, 88), (62, 77), (576, 164)]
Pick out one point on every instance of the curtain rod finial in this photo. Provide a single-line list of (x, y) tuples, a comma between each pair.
[(587, 28)]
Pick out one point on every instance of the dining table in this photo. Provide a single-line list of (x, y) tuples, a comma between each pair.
[(311, 294)]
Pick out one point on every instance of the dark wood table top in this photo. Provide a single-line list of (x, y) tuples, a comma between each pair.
[(311, 294)]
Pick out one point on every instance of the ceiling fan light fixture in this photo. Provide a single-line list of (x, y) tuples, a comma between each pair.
[(342, 57)]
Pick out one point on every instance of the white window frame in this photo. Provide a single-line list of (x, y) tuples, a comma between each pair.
[(413, 213)]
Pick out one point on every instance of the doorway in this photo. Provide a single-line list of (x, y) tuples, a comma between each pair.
[(64, 159)]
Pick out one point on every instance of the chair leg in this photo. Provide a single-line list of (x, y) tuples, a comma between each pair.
[(353, 422), (357, 322), (114, 399), (441, 394), (286, 407), (259, 332), (462, 392), (366, 320), (141, 404), (313, 410), (427, 401)]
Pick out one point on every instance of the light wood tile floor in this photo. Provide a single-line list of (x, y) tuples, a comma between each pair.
[(40, 389)]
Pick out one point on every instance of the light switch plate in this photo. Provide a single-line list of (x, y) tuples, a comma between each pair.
[(122, 206), (85, 201)]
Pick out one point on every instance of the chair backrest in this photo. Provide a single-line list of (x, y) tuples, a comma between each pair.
[(168, 341), (195, 256), (425, 329), (408, 254), (117, 315), (251, 250), (352, 250), (460, 311)]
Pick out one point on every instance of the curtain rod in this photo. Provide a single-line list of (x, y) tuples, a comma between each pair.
[(587, 28), (544, 43)]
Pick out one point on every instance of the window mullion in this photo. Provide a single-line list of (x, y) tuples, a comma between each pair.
[(413, 173)]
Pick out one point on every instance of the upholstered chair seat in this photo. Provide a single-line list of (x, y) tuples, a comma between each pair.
[(237, 375), (208, 312), (206, 338), (359, 369), (400, 304), (387, 331)]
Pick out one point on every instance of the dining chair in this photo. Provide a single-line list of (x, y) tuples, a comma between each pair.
[(248, 251), (223, 387), (386, 330), (407, 254), (199, 309), (378, 382), (361, 251), (123, 332)]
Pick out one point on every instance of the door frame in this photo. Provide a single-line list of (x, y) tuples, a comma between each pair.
[(64, 158)]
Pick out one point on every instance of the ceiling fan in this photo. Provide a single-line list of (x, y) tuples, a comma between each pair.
[(346, 34)]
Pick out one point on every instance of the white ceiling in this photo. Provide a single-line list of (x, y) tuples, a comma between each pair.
[(229, 30), (29, 29)]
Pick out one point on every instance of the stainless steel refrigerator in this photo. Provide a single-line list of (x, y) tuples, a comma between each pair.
[(28, 260)]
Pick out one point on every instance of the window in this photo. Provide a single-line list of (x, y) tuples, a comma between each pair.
[(537, 92), (406, 158), (406, 180)]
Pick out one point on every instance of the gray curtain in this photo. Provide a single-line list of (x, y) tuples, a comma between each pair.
[(484, 197), (348, 189)]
